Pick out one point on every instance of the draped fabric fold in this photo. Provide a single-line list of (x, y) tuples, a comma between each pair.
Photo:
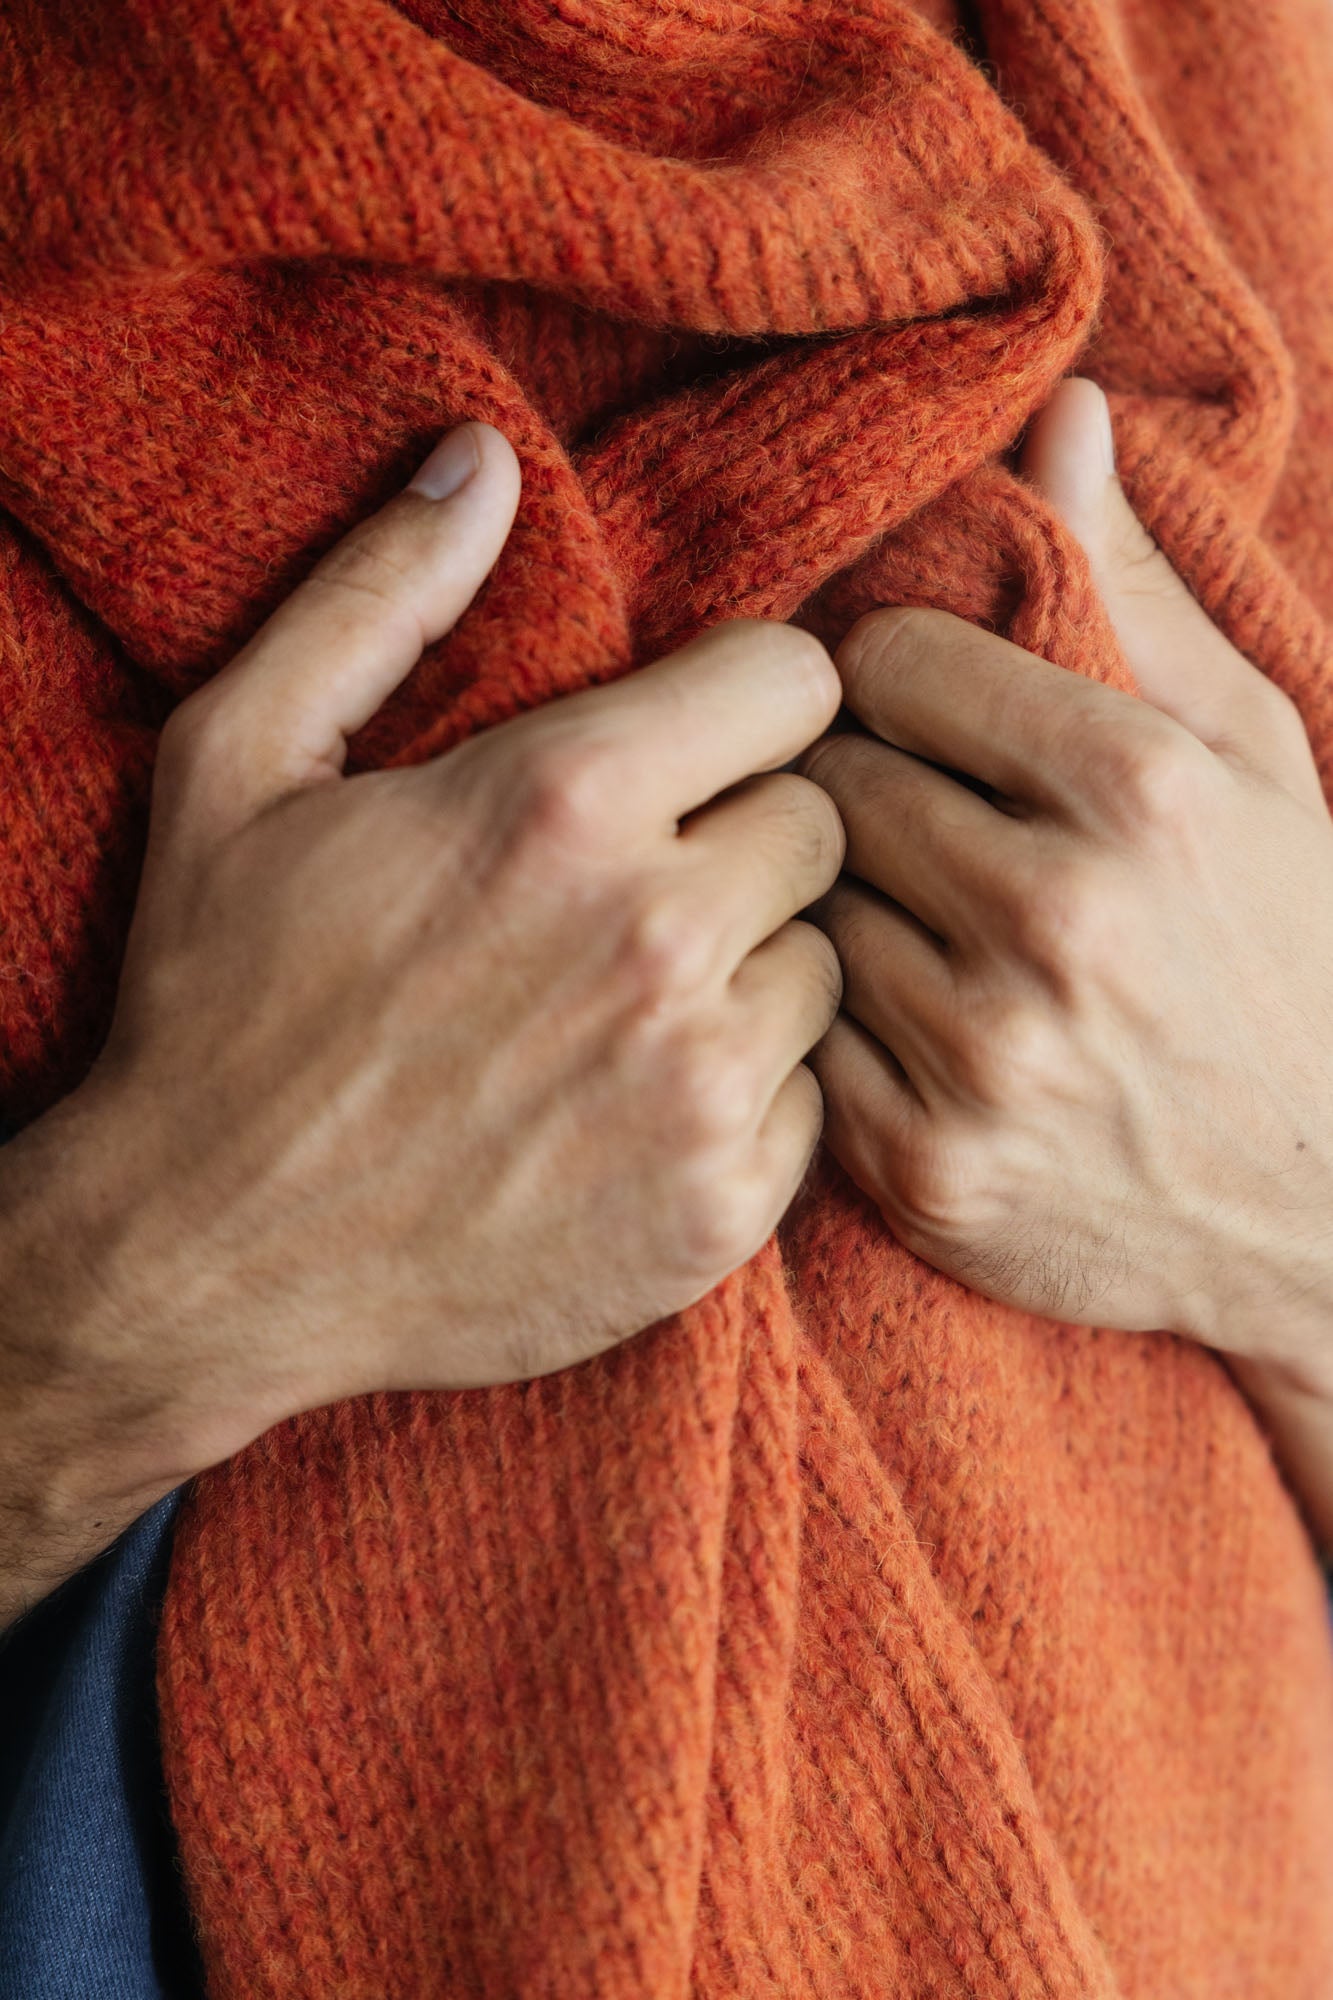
[(848, 1635)]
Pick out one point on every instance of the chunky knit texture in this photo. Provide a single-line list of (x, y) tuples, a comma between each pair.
[(848, 1635)]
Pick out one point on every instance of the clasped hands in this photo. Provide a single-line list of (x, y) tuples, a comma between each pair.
[(461, 1072), (1085, 1056)]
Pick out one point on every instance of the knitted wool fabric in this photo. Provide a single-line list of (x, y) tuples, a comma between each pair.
[(849, 1635)]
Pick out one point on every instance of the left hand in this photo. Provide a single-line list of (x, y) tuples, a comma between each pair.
[(1085, 1062)]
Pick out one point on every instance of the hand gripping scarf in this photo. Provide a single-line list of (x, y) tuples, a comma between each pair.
[(848, 1635)]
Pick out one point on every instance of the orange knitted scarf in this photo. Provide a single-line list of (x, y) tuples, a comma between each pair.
[(849, 1635)]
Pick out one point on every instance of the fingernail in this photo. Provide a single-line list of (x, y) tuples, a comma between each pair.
[(449, 467)]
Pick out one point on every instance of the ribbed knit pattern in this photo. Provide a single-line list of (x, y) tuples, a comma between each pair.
[(849, 1635)]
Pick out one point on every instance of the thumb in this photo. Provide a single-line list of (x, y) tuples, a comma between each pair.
[(1183, 664), (277, 717)]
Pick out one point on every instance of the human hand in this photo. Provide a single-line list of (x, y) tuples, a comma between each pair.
[(1085, 1062), (428, 1077)]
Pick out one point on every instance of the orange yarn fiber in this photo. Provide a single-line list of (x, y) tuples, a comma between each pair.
[(849, 1635)]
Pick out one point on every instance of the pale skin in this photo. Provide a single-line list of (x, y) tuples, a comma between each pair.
[(1085, 1057), (456, 1075), (433, 1078)]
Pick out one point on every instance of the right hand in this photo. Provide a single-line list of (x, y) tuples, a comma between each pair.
[(454, 1074)]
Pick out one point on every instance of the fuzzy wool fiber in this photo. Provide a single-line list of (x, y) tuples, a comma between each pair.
[(849, 1637)]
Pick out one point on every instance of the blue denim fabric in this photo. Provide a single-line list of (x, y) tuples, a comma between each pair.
[(91, 1905)]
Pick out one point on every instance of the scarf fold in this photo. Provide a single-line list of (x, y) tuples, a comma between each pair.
[(848, 1635)]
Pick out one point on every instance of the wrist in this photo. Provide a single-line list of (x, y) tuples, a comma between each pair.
[(83, 1423), (1295, 1407), (1273, 1312)]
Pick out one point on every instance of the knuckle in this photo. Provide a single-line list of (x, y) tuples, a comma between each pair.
[(812, 825), (1019, 1044), (721, 1220), (1154, 777), (934, 1187), (825, 764), (907, 641), (559, 792), (1060, 920), (368, 579), (891, 627), (1003, 1053), (712, 1089), (891, 632), (849, 919), (826, 974), (668, 950)]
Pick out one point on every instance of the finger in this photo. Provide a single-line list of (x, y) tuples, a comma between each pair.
[(766, 849), (897, 983), (1175, 650), (940, 688), (872, 1114), (786, 1143), (281, 711), (741, 698), (917, 835), (1183, 664), (785, 997)]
